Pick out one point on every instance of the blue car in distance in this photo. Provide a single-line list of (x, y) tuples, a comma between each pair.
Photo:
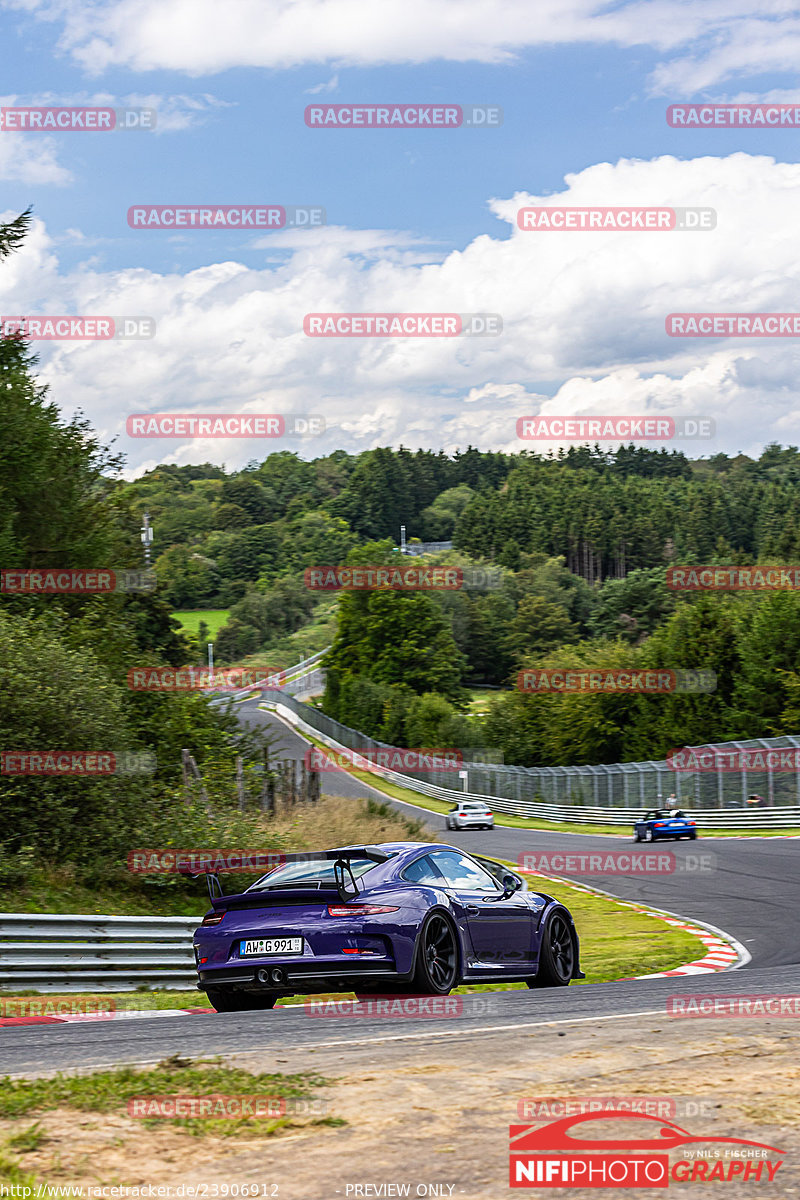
[(414, 917), (658, 824)]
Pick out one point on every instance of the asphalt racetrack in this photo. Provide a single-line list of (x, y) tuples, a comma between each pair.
[(748, 888)]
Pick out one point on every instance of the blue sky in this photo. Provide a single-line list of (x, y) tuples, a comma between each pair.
[(418, 220)]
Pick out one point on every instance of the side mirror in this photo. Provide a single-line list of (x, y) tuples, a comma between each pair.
[(510, 885)]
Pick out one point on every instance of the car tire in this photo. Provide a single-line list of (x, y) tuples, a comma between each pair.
[(649, 835), (693, 836), (636, 836), (556, 955), (227, 1000), (436, 960)]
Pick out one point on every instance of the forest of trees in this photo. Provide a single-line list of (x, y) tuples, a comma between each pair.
[(64, 658), (579, 541)]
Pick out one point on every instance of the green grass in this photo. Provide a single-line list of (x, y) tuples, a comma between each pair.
[(109, 1092), (214, 618), (479, 701), (294, 647), (51, 889), (12, 1172)]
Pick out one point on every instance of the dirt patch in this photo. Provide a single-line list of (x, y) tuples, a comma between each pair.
[(435, 1118)]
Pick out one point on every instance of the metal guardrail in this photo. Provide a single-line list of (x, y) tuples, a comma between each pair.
[(301, 667), (524, 786), (417, 548), (303, 679), (46, 952), (310, 684)]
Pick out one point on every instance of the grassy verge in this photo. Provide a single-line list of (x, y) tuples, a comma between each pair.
[(294, 647), (334, 821), (214, 618), (108, 1092)]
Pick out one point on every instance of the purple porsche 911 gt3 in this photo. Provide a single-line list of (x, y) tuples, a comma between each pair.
[(397, 917)]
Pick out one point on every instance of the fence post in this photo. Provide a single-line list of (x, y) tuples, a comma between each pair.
[(267, 798), (240, 781), (190, 765)]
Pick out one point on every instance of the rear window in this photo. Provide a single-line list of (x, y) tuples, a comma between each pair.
[(317, 871)]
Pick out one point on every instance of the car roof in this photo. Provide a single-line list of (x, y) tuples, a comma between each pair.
[(408, 849)]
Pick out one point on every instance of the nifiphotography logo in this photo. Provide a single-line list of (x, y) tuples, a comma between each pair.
[(554, 1156)]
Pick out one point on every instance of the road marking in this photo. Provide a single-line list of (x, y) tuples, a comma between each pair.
[(401, 1037), (461, 1031)]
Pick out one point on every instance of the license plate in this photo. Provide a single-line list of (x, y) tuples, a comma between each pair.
[(286, 945), (676, 824)]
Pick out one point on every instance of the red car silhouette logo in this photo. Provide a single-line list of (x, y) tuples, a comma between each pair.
[(556, 1136)]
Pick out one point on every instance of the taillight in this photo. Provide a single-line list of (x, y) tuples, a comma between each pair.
[(691, 822), (660, 826), (213, 918), (359, 910)]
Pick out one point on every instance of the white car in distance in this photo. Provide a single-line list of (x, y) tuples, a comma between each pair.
[(470, 814)]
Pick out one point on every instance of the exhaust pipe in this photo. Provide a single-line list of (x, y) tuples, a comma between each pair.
[(276, 976)]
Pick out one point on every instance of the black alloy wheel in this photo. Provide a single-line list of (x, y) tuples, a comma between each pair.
[(556, 956), (437, 957)]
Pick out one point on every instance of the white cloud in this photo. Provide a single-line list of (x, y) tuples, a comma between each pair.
[(583, 317), (712, 41), (323, 88), (29, 158)]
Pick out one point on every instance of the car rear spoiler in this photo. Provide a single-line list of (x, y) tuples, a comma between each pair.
[(342, 871)]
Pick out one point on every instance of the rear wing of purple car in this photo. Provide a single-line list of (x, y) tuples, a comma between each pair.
[(342, 872)]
